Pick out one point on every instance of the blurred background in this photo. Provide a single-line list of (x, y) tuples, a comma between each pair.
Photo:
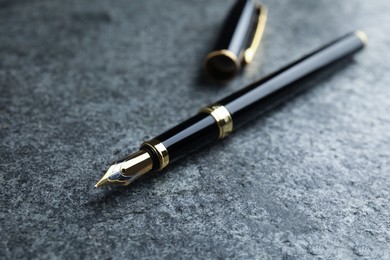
[(85, 82)]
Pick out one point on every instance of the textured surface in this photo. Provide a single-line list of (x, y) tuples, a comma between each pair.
[(84, 82)]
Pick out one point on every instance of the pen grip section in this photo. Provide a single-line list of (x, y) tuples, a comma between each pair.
[(196, 132)]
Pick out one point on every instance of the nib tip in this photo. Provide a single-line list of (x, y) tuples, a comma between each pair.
[(102, 182)]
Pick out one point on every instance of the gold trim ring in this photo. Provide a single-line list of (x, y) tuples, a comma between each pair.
[(222, 71), (161, 151), (223, 118)]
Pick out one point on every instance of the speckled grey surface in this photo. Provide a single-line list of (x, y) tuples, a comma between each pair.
[(84, 82)]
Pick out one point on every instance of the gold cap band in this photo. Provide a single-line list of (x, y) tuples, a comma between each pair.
[(223, 118), (222, 64)]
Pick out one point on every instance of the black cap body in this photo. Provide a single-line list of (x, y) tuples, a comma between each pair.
[(238, 40)]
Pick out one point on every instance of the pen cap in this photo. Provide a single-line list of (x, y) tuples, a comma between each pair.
[(238, 40)]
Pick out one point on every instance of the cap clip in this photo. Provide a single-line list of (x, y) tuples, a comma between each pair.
[(250, 52)]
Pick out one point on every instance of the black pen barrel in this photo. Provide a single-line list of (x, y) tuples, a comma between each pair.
[(217, 121), (220, 119), (192, 134), (271, 90)]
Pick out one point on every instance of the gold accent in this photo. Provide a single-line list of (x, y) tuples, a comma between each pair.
[(103, 181), (230, 55), (223, 118), (139, 163), (362, 36), (160, 150), (250, 52), (127, 170)]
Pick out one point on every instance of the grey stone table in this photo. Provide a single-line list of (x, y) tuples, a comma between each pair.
[(84, 82)]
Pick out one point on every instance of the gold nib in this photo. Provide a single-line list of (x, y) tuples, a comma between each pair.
[(104, 180), (100, 183), (127, 170)]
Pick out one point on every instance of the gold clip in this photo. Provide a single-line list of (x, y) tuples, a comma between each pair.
[(250, 52)]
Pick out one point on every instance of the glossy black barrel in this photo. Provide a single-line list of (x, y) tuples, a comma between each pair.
[(235, 37), (264, 94), (202, 129), (198, 131)]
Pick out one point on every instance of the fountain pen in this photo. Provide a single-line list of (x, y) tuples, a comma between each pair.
[(218, 120)]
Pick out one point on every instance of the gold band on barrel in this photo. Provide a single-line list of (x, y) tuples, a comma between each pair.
[(228, 54), (160, 150), (223, 118)]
